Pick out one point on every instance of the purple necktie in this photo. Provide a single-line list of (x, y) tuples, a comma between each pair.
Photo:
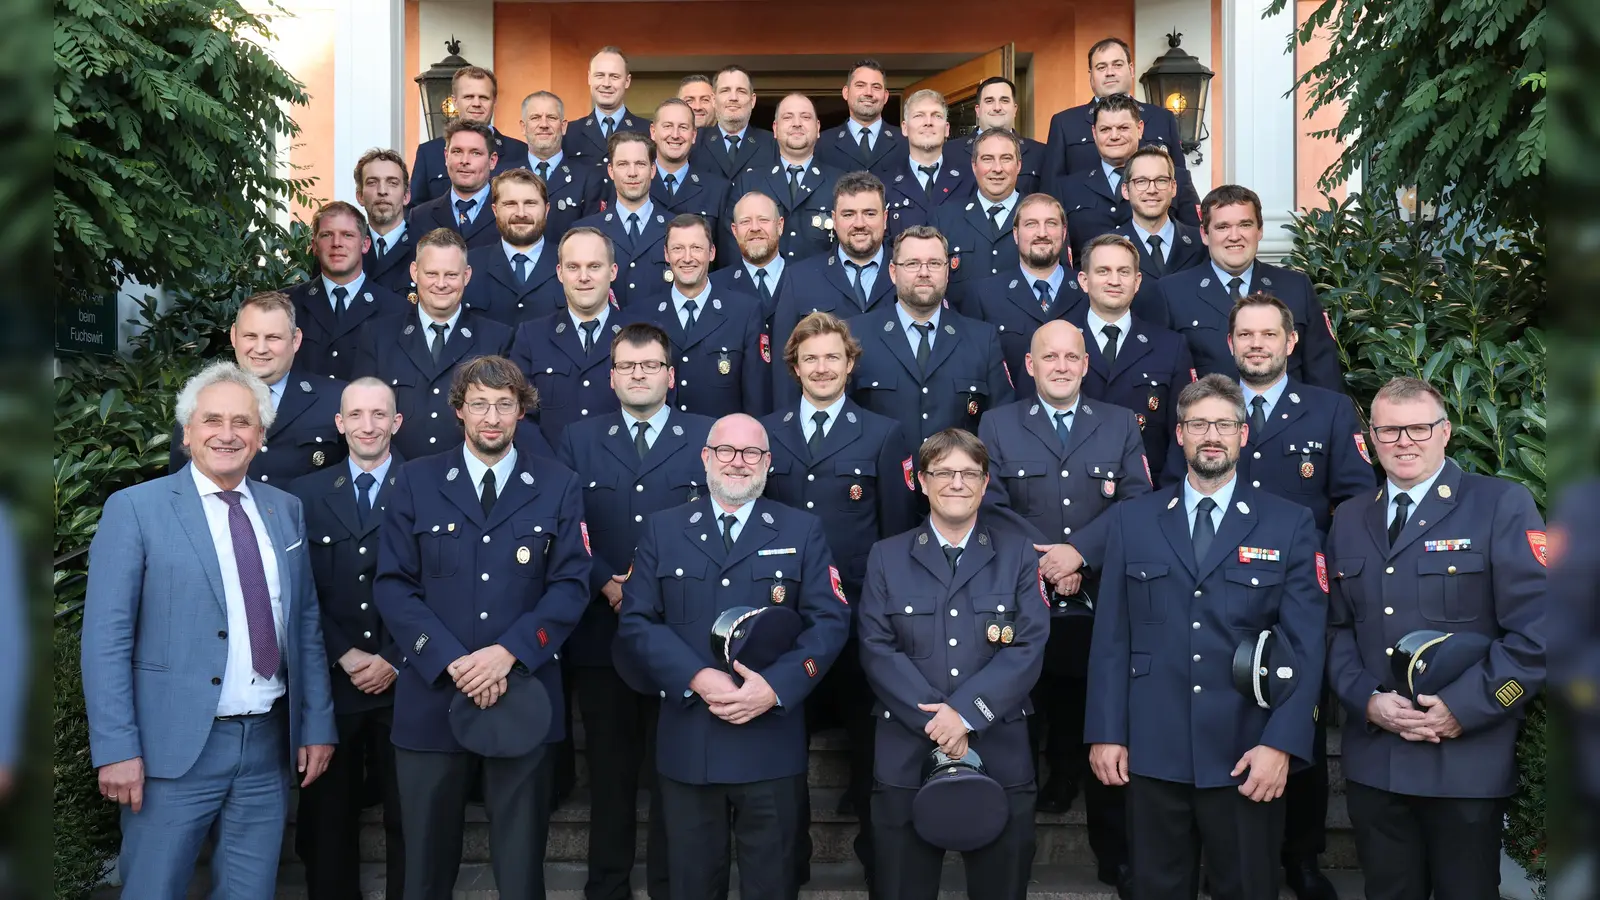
[(264, 655)]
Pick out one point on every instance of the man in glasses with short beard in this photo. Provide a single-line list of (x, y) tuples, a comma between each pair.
[(727, 733)]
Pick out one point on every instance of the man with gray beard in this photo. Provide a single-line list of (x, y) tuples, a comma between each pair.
[(729, 734)]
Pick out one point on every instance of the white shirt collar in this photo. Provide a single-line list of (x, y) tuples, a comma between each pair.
[(352, 290), (1050, 411), (1418, 491), (502, 470), (1009, 203), (377, 474), (774, 269), (532, 253), (1167, 233), (1223, 495), (807, 411), (657, 423), (207, 487), (392, 237), (961, 543), (906, 320), (1273, 394), (741, 515), (605, 313), (643, 213), (701, 303), (1248, 275), (1098, 325), (449, 324)]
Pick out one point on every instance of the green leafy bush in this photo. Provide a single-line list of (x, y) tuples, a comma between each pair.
[(1464, 318)]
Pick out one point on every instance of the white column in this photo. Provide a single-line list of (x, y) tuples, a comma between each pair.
[(1152, 20), (469, 21), (369, 85), (1259, 118)]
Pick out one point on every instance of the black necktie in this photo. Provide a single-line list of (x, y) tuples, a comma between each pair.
[(607, 126), (383, 247), (733, 143), (544, 170), (487, 497), (633, 225), (814, 443), (1116, 173), (1258, 417), (860, 283), (1402, 506), (339, 295), (1204, 529), (761, 285), (519, 262), (438, 340), (689, 319), (639, 443), (1042, 288), (462, 208), (589, 329), (1156, 262), (794, 182), (727, 530), (997, 213), (924, 339), (929, 171), (1112, 332), (671, 182), (1236, 288), (866, 144), (952, 555), (364, 483), (1064, 427)]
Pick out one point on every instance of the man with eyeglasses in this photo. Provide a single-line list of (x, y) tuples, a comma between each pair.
[(417, 352), (1060, 461), (483, 571), (983, 242), (1093, 197), (631, 464), (731, 735), (719, 350), (925, 177), (922, 365), (846, 282), (1190, 569), (853, 469), (1165, 244), (1195, 302), (1437, 549), (953, 630), (1306, 446), (636, 226), (565, 355)]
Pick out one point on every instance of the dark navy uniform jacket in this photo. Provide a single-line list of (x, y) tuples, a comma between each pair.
[(585, 142), (908, 205), (1007, 301), (820, 284), (1197, 307), (1028, 180), (430, 179), (328, 347), (620, 491), (807, 219), (572, 385), (1152, 369), (977, 251), (392, 270), (735, 278), (1489, 579), (860, 483), (923, 641), (440, 212), (394, 349), (642, 260), (1313, 452), (702, 192), (757, 149), (344, 561), (1188, 250), (841, 149), (1071, 149), (1059, 490), (452, 581), (720, 364), (1092, 208), (965, 377), (303, 437), (575, 191), (1166, 627), (494, 292), (682, 579)]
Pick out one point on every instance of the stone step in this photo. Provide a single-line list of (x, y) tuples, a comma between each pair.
[(1062, 839), (831, 881)]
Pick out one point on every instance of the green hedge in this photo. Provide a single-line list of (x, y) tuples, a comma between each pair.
[(1460, 313)]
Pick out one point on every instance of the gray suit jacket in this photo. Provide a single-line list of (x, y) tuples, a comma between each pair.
[(154, 620)]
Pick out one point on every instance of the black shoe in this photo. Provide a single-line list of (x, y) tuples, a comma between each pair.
[(1305, 878), (1056, 797)]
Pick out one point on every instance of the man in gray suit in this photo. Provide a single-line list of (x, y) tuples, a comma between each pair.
[(203, 665)]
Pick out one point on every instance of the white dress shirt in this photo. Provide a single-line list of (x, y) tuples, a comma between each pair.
[(244, 692), (1097, 328), (740, 515)]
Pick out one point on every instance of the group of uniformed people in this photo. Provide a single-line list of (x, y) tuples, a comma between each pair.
[(986, 450)]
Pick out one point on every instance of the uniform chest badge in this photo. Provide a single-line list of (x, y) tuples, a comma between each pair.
[(1447, 546), (972, 407), (1007, 634), (1108, 487), (1141, 419), (724, 365), (524, 555), (1307, 469), (1361, 447), (1246, 554), (318, 458), (1154, 403), (1444, 491), (779, 592), (992, 632), (855, 492)]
